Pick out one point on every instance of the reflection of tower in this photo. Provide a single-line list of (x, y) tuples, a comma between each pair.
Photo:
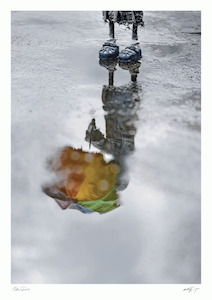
[(120, 104)]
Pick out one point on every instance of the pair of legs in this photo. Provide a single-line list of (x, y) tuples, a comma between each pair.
[(112, 31), (110, 50), (133, 73)]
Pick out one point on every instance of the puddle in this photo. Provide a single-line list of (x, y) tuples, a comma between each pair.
[(99, 138), (166, 50), (87, 182)]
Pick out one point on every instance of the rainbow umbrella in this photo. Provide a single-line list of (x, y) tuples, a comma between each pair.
[(85, 181)]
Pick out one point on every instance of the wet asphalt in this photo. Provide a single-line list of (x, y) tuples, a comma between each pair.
[(57, 83)]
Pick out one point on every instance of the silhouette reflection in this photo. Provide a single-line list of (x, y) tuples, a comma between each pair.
[(85, 181), (120, 104)]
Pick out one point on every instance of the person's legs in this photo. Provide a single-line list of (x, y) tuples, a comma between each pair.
[(109, 49), (135, 32), (111, 30), (133, 77), (110, 77)]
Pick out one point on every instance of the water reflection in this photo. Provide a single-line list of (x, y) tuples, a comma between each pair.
[(85, 181), (120, 104)]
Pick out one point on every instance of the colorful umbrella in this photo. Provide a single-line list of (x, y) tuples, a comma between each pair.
[(86, 182)]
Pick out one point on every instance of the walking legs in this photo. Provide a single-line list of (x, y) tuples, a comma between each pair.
[(111, 30), (135, 32)]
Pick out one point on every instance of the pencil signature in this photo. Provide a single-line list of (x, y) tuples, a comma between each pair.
[(20, 289), (191, 289)]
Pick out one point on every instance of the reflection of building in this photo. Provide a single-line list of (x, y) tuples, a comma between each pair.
[(120, 104)]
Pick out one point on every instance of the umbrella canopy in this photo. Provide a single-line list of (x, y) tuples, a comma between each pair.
[(85, 181)]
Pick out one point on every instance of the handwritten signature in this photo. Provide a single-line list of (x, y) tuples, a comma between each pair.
[(20, 289), (191, 289)]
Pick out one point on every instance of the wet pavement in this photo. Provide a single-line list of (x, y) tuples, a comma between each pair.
[(58, 88)]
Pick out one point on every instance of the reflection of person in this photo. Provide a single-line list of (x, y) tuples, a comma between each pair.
[(120, 104), (85, 181)]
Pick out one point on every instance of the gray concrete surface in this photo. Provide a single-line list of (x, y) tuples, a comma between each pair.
[(154, 237)]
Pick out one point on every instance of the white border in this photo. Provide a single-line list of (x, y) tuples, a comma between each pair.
[(106, 291)]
